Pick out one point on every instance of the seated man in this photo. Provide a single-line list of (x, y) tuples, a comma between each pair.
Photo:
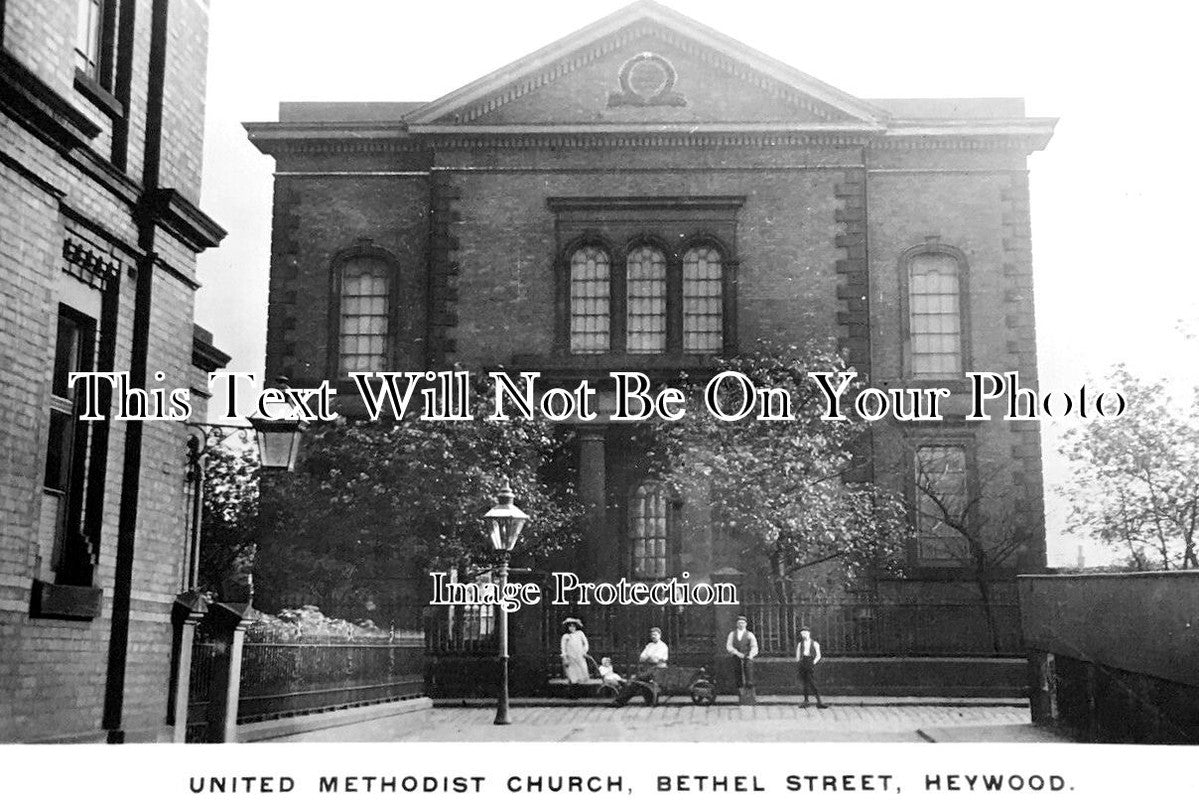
[(653, 658)]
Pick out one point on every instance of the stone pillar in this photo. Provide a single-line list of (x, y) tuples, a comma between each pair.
[(599, 555), (188, 610), (229, 622)]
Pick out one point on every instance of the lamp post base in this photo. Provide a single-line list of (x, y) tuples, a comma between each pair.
[(501, 708)]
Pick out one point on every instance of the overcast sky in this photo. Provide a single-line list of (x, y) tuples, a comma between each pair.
[(1112, 196)]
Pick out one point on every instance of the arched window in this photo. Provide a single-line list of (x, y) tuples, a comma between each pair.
[(942, 493), (364, 310), (648, 510), (935, 314), (590, 300), (703, 300), (646, 290)]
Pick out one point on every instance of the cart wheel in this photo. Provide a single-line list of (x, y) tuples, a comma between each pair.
[(703, 693), (607, 692)]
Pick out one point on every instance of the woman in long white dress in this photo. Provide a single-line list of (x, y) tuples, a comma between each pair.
[(574, 651)]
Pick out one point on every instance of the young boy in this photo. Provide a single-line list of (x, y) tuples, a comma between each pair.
[(807, 654)]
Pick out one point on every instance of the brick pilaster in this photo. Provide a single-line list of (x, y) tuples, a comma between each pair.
[(443, 271)]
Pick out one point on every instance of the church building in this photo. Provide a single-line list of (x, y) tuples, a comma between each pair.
[(648, 194)]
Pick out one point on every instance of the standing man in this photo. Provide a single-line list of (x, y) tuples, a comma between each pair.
[(807, 654), (743, 647)]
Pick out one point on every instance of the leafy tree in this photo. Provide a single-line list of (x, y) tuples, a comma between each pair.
[(374, 505), (230, 505), (1135, 482), (791, 490), (975, 531)]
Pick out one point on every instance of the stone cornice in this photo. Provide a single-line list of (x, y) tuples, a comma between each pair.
[(206, 356), (182, 218), (1028, 134), (642, 128), (277, 138), (281, 138)]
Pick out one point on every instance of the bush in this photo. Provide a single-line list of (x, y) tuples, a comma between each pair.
[(307, 623)]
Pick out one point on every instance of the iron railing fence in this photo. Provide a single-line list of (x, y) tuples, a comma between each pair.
[(619, 632), (308, 674), (885, 627), (863, 627)]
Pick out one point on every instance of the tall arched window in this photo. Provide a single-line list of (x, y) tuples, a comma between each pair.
[(364, 310), (590, 300), (935, 314), (646, 290), (703, 300), (648, 510)]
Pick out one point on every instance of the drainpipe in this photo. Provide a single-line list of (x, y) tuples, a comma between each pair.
[(118, 643)]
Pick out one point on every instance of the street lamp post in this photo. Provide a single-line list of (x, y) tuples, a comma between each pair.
[(278, 440), (505, 522)]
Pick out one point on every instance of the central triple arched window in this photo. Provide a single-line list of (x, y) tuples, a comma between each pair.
[(703, 300), (646, 289), (590, 300), (653, 301)]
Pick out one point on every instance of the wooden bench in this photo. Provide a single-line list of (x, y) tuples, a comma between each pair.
[(594, 686)]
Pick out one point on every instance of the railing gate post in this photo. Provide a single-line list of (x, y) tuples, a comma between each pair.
[(186, 613), (229, 622)]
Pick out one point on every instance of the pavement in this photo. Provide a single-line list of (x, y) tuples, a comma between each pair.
[(772, 720)]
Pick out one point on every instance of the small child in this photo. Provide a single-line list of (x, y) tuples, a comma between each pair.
[(608, 675)]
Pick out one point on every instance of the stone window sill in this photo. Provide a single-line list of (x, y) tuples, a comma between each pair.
[(100, 97), (62, 601)]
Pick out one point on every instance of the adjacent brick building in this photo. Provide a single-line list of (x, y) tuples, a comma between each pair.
[(100, 149), (645, 194)]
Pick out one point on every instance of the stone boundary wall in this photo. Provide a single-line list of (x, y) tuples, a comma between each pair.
[(1114, 658)]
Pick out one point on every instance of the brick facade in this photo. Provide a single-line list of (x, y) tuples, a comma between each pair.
[(98, 180), (831, 192)]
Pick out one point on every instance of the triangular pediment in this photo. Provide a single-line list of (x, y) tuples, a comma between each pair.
[(647, 65)]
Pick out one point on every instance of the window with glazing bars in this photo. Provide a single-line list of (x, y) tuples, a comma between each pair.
[(67, 446), (934, 315), (89, 30), (590, 300), (648, 530), (364, 315), (703, 301), (646, 316), (940, 474)]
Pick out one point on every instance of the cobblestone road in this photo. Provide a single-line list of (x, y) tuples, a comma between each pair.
[(686, 723)]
